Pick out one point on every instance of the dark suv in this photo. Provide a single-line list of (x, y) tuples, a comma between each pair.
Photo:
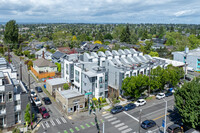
[(174, 129)]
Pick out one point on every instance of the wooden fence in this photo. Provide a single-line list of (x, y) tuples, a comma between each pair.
[(42, 75)]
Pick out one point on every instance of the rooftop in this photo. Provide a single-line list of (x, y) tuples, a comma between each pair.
[(70, 93), (43, 63), (56, 81)]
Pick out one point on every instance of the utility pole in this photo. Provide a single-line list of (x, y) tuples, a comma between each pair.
[(20, 69), (29, 85), (165, 115), (140, 119), (149, 76), (103, 128)]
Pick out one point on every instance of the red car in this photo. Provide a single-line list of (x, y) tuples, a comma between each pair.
[(44, 113)]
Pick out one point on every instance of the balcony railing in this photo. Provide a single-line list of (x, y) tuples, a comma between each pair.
[(17, 107), (17, 97)]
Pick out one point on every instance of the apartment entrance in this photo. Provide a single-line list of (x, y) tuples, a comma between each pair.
[(75, 107)]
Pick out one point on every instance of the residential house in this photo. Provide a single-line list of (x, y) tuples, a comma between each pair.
[(43, 53), (67, 50), (158, 46), (56, 57)]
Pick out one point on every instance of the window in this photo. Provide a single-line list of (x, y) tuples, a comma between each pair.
[(198, 60), (198, 64), (122, 75), (100, 79), (1, 98), (67, 68), (101, 85), (101, 93), (9, 97), (77, 76), (106, 77), (126, 75)]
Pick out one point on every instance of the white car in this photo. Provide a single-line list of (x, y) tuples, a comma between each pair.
[(37, 101), (140, 102), (33, 94), (160, 95)]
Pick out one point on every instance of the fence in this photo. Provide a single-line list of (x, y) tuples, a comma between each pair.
[(42, 75)]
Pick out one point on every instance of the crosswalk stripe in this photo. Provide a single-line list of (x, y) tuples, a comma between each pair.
[(127, 130), (108, 116), (43, 125), (65, 131), (118, 125), (47, 124), (58, 121), (52, 122), (121, 128), (112, 119), (63, 119), (115, 122)]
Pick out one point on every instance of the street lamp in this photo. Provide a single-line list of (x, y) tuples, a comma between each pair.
[(185, 57), (165, 115)]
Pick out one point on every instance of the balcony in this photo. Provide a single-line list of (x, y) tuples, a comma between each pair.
[(17, 107), (17, 97), (3, 111), (2, 88)]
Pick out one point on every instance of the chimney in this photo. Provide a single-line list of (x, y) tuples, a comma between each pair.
[(43, 54)]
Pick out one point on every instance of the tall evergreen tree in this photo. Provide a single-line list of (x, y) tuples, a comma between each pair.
[(125, 35)]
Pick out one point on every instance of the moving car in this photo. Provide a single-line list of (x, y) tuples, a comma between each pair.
[(160, 96), (174, 128), (148, 124), (46, 100), (140, 102), (129, 106), (38, 89), (117, 109), (37, 101), (167, 94), (44, 113)]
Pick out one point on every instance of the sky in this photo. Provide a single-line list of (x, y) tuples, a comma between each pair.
[(101, 11)]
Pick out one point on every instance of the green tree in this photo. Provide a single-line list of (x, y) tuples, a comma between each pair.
[(99, 36), (26, 53), (188, 103), (154, 54), (27, 114), (66, 86), (11, 34), (30, 64), (125, 35), (58, 66), (161, 32), (102, 49), (108, 36), (16, 130), (145, 34)]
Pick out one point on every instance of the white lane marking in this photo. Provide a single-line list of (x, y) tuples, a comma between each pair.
[(47, 124), (112, 119), (43, 125), (108, 116), (131, 116), (119, 125), (52, 122), (63, 119), (115, 122), (58, 121), (121, 128), (127, 130)]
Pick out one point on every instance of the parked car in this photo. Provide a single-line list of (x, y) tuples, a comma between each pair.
[(160, 96), (37, 101), (167, 94), (148, 124), (129, 106), (46, 100), (44, 113), (117, 109), (38, 89), (140, 102), (192, 131), (174, 128), (33, 94)]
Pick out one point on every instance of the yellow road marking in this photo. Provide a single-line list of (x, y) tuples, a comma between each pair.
[(159, 117)]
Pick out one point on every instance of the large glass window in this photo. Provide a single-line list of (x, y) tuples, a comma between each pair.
[(77, 76), (9, 96), (100, 79), (67, 68)]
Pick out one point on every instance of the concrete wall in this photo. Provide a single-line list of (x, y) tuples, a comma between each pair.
[(51, 89), (45, 69)]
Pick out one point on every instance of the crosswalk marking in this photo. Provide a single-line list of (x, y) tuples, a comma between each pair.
[(71, 130), (43, 125), (92, 123), (52, 122), (115, 122), (65, 131), (77, 128), (127, 130), (82, 127), (58, 121), (121, 128), (47, 124), (63, 119), (108, 116), (118, 125), (87, 125), (112, 119)]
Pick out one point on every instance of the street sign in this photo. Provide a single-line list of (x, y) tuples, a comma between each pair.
[(89, 93), (163, 123)]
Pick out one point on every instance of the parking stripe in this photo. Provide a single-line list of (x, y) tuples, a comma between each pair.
[(63, 119), (119, 125), (82, 127), (121, 128), (87, 125), (108, 116), (52, 122), (58, 121), (47, 124), (112, 119), (43, 125), (127, 130), (115, 122)]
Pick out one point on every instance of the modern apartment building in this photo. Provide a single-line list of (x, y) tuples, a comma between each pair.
[(13, 96), (103, 72)]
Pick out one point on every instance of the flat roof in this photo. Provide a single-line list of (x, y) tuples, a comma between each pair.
[(70, 93), (56, 81), (173, 62)]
